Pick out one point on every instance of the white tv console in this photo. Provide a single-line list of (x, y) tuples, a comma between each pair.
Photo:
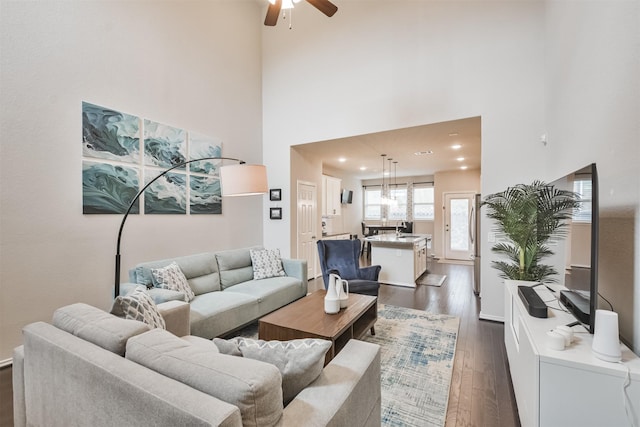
[(564, 388)]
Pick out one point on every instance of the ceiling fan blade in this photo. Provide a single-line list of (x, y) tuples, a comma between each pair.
[(273, 12), (324, 6)]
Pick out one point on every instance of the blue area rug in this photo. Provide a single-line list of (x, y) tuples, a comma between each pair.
[(417, 351)]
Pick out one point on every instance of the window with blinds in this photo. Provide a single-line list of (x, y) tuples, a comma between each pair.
[(372, 203), (583, 188), (423, 202), (398, 210)]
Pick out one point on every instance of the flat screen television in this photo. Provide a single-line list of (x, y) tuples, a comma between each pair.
[(581, 279), (347, 197)]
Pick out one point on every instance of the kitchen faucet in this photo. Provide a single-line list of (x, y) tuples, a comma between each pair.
[(397, 229)]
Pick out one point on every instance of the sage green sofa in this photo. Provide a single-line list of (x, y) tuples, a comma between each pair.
[(82, 370), (227, 296)]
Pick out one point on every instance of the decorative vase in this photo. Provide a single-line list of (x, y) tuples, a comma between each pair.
[(331, 299)]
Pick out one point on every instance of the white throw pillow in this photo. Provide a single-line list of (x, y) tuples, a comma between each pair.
[(138, 305), (266, 263), (300, 361), (171, 277)]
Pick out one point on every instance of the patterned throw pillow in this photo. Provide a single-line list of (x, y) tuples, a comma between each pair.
[(171, 277), (138, 305), (266, 263), (300, 361)]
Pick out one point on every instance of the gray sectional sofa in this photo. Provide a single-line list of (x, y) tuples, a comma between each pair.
[(81, 370), (227, 296)]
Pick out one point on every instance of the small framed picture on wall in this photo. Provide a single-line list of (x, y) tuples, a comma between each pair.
[(275, 213), (275, 194)]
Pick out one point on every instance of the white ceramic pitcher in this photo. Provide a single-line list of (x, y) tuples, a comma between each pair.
[(331, 299)]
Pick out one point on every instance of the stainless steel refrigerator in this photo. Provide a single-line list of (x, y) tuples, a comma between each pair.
[(476, 244)]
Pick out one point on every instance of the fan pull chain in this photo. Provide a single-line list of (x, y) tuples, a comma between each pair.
[(290, 18)]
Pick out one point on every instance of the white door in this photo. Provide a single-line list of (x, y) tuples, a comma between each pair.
[(307, 226), (459, 225)]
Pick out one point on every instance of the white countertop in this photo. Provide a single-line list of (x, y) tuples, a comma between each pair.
[(404, 239)]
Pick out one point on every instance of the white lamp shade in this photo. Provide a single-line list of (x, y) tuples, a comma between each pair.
[(243, 180)]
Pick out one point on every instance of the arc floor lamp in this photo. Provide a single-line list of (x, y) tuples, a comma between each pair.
[(238, 179)]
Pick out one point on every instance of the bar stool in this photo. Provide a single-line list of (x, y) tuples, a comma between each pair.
[(366, 246)]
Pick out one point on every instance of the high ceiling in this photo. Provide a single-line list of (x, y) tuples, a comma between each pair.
[(402, 145)]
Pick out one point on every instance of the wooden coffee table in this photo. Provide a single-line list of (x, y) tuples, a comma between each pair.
[(305, 318)]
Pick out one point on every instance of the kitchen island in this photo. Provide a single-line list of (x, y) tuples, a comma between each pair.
[(403, 257)]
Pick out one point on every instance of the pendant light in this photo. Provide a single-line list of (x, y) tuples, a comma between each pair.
[(383, 195), (392, 200)]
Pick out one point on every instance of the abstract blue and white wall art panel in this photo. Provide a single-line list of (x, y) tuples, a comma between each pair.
[(116, 164), (201, 146), (164, 146), (206, 195), (109, 134), (167, 195), (108, 189)]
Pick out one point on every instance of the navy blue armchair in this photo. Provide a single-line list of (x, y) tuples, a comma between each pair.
[(342, 257)]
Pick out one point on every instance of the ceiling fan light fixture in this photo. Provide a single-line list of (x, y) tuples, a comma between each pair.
[(277, 6)]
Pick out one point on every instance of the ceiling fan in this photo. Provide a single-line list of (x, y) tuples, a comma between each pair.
[(324, 6)]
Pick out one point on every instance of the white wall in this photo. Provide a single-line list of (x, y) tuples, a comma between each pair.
[(593, 115), (381, 65), (565, 69), (191, 64)]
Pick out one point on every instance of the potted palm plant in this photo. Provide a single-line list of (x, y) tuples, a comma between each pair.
[(529, 216)]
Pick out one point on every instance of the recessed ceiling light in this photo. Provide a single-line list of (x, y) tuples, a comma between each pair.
[(363, 168), (460, 159), (464, 167), (453, 134), (423, 153), (456, 146), (342, 160)]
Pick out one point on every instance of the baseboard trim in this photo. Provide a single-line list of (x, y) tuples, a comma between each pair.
[(491, 317), (6, 362)]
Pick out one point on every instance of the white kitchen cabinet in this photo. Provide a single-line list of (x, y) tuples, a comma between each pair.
[(331, 195), (563, 388), (420, 258), (399, 256)]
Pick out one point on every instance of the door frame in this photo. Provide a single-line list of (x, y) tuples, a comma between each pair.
[(471, 196)]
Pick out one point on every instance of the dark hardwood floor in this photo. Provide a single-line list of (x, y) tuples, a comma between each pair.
[(481, 392)]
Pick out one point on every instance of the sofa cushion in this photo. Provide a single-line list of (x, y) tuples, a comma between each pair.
[(253, 386), (201, 271), (171, 277), (271, 293), (235, 266), (203, 343), (97, 326), (217, 313), (299, 361), (266, 263), (138, 305)]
